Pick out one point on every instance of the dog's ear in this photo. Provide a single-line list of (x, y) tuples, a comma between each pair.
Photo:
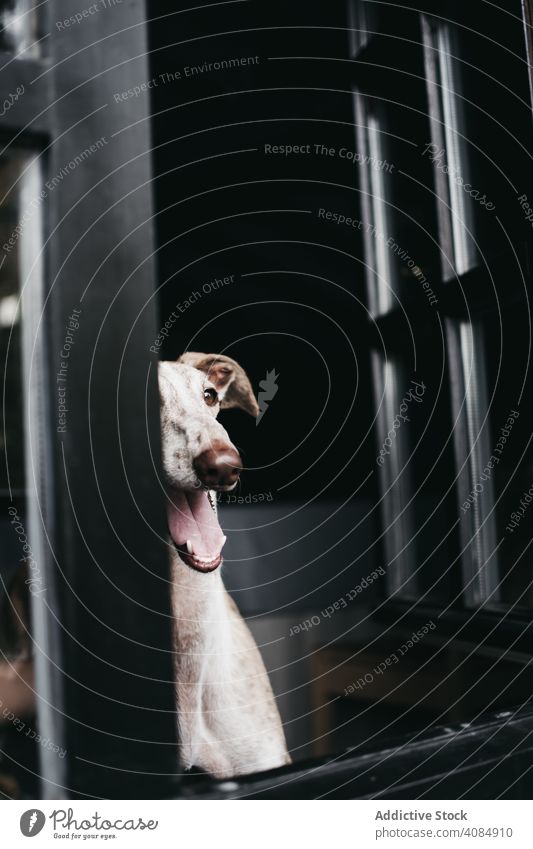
[(230, 379)]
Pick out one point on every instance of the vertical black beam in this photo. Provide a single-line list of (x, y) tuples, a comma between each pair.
[(111, 571)]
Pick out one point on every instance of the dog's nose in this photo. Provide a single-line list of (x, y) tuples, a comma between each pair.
[(219, 466)]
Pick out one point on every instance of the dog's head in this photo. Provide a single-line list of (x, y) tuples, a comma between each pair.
[(198, 455)]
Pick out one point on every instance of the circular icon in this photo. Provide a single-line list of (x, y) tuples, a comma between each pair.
[(32, 822)]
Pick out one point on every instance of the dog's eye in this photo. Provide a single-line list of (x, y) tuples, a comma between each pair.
[(210, 397)]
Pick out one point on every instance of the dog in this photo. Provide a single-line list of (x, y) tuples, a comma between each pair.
[(228, 722)]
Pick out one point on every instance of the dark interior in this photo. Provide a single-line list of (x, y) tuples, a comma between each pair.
[(280, 179)]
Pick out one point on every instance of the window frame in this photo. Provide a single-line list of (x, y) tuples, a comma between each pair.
[(86, 704), (461, 270)]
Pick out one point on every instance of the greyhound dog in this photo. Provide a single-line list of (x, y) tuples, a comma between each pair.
[(228, 721)]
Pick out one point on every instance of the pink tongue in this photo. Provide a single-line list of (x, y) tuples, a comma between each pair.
[(191, 517)]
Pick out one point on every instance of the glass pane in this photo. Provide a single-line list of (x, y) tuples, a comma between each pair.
[(417, 477), (390, 379), (12, 472), (363, 20), (398, 225), (380, 270), (370, 23), (15, 227), (19, 33), (448, 150), (473, 443), (509, 459)]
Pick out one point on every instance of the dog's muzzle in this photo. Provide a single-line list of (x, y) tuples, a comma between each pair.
[(192, 517)]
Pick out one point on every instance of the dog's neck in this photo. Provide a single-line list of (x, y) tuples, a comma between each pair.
[(197, 600)]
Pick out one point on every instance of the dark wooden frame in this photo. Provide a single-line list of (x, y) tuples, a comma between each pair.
[(104, 656)]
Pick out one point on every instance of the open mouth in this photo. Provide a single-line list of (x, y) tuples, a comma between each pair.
[(194, 528)]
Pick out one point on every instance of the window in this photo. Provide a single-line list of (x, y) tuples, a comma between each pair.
[(461, 248), (402, 269), (455, 479), (383, 269)]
